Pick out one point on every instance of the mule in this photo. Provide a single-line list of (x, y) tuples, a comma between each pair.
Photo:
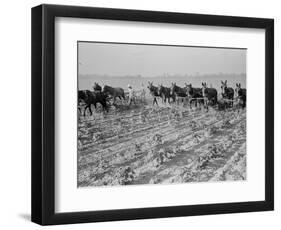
[(210, 95), (91, 98), (241, 95), (179, 92), (165, 93), (194, 94), (114, 92), (227, 92), (97, 87), (154, 91)]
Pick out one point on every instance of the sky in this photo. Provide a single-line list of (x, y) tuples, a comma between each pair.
[(150, 60)]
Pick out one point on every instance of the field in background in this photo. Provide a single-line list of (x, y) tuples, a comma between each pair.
[(86, 82)]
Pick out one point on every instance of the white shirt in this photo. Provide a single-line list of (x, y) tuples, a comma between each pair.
[(131, 92)]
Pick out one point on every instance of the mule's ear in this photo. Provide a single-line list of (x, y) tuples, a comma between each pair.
[(239, 84), (202, 84), (221, 81), (236, 85)]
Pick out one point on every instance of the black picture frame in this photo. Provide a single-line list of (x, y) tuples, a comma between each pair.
[(43, 114)]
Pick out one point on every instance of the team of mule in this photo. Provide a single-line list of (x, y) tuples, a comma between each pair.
[(197, 96)]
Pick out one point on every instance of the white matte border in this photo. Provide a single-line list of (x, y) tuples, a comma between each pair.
[(68, 198)]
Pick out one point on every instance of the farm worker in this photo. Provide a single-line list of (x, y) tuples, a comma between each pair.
[(131, 95)]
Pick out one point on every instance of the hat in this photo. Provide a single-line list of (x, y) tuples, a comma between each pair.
[(129, 86)]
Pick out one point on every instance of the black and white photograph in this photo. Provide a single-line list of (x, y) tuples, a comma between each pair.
[(141, 113), (160, 114)]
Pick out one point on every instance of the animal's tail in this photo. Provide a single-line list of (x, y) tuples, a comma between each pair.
[(105, 108), (215, 99), (123, 94), (244, 101)]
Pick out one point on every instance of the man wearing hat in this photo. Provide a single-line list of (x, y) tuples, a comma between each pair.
[(131, 95)]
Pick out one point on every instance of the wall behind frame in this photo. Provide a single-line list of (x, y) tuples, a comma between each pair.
[(15, 115)]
